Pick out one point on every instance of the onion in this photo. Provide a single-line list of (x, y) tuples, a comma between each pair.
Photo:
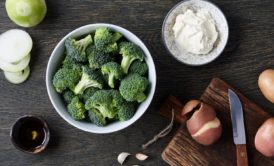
[(264, 139)]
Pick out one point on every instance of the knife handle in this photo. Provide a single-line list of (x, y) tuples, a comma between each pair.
[(242, 159)]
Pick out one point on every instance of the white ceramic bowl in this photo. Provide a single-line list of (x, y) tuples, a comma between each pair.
[(184, 56), (57, 101)]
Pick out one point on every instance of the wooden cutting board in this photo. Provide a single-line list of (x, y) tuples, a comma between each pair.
[(184, 151)]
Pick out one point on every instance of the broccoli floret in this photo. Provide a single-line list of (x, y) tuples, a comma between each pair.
[(117, 99), (130, 53), (68, 95), (77, 109), (132, 88), (102, 100), (70, 63), (66, 78), (111, 48), (96, 117), (97, 58), (90, 78), (114, 71), (126, 111), (76, 49), (138, 67), (105, 40), (88, 93)]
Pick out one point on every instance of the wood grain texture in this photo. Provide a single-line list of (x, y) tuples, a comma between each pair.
[(184, 151), (242, 155), (172, 103), (249, 51)]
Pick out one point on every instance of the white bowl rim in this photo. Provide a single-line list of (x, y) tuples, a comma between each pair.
[(225, 23), (105, 129)]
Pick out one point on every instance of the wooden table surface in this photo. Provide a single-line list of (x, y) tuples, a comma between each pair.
[(250, 50)]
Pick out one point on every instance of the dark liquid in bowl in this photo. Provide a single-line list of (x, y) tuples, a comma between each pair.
[(31, 134)]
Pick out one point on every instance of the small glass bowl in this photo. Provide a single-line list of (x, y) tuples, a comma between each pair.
[(30, 134)]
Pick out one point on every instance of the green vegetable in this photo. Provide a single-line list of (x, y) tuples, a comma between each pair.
[(126, 111), (105, 40), (76, 49), (97, 58), (87, 67), (66, 78), (26, 13), (77, 109), (114, 71), (70, 63), (138, 67), (130, 53), (68, 95), (96, 117), (117, 99), (90, 78), (132, 88), (105, 102), (88, 93)]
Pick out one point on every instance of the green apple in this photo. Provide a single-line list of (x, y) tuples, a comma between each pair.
[(26, 13)]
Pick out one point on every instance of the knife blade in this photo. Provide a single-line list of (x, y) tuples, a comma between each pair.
[(237, 118)]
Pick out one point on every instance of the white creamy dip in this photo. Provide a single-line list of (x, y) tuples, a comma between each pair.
[(195, 31)]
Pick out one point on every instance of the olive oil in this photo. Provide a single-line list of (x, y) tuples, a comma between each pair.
[(31, 134)]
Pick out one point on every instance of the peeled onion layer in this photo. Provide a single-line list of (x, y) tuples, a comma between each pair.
[(26, 13), (15, 45), (15, 67), (17, 77)]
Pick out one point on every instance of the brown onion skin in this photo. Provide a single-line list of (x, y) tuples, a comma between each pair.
[(264, 139), (199, 118), (266, 84)]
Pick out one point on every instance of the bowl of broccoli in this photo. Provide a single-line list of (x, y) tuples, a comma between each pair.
[(101, 78)]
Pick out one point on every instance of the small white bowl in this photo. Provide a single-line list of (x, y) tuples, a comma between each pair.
[(57, 101), (184, 56)]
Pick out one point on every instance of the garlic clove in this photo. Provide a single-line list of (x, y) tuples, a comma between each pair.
[(141, 156), (122, 157)]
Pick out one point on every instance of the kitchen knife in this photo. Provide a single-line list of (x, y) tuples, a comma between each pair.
[(237, 119)]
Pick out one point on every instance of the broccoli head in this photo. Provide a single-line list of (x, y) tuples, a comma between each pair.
[(77, 109), (88, 93), (130, 53), (117, 99), (138, 67), (105, 40), (66, 78), (126, 111), (96, 117), (68, 95), (70, 63), (132, 88), (76, 49), (102, 100), (114, 71), (97, 58), (90, 78)]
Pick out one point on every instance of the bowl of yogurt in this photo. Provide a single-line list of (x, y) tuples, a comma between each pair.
[(195, 32)]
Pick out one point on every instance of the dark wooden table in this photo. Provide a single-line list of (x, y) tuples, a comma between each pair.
[(249, 51)]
